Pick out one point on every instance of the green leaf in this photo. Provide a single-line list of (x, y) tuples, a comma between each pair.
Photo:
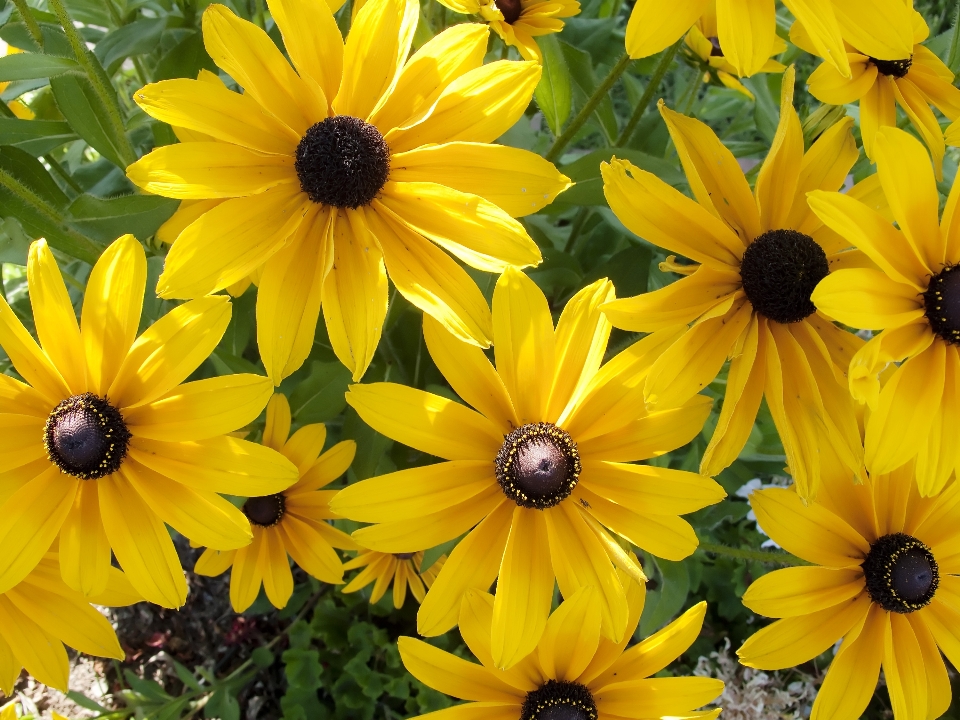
[(586, 172), (185, 59), (30, 66), (433, 554), (320, 397), (580, 65), (137, 38), (953, 59), (222, 706), (106, 220), (766, 109), (186, 677), (553, 91), (628, 270), (36, 137), (82, 108), (672, 594), (29, 171)]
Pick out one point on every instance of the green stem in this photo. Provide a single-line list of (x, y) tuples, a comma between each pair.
[(101, 85), (575, 228), (763, 556), (59, 170), (648, 92), (587, 110), (33, 27), (71, 242)]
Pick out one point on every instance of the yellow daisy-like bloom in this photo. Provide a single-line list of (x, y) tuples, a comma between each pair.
[(747, 31), (402, 569), (40, 614), (518, 22), (105, 445), (292, 521), (704, 43), (761, 254), (538, 471), (357, 164), (913, 80), (574, 673), (885, 579), (912, 293)]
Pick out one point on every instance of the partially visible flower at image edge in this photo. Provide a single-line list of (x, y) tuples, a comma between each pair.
[(292, 521), (106, 443), (354, 167), (403, 570)]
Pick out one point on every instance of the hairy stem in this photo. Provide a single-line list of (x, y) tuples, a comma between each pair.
[(773, 557), (33, 27), (652, 86)]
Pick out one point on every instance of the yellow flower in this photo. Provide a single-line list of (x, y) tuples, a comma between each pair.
[(538, 471), (574, 673), (914, 80), (747, 31), (761, 254), (884, 580), (704, 43), (355, 165), (912, 293), (105, 445), (293, 521), (518, 22), (402, 569), (40, 614)]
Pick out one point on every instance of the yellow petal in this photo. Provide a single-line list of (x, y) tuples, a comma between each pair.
[(248, 55), (808, 531), (866, 298), (780, 173), (802, 590), (28, 359), (828, 85), (879, 28), (647, 488), (662, 215), (328, 467), (54, 317), (747, 31), (938, 455), (474, 563), (311, 551), (201, 409), (219, 464), (277, 578), (529, 184), (877, 109), (524, 343), (218, 112), (479, 106), (288, 299), (821, 30), (903, 668), (169, 350), (229, 242), (658, 697), (714, 174), (938, 691), (313, 41), (825, 166), (276, 429), (84, 548), (452, 675), (23, 435), (378, 43), (431, 280), (469, 227), (653, 27), (187, 212), (141, 543), (247, 573), (796, 640), (354, 293), (890, 346), (571, 637), (214, 562), (38, 651), (440, 61)]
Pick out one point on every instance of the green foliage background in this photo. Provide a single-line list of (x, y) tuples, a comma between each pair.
[(61, 177)]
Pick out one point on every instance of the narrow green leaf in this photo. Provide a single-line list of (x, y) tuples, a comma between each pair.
[(553, 93), (82, 108), (320, 397), (580, 65), (31, 66), (36, 137), (953, 59), (108, 219), (137, 38)]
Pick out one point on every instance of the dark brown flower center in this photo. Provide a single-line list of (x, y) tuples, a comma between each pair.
[(404, 556), (510, 9), (559, 700), (893, 68), (342, 161), (538, 465), (942, 300), (780, 270), (265, 511), (85, 436), (901, 573)]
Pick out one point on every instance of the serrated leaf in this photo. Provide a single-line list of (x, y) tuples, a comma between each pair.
[(31, 66), (553, 91)]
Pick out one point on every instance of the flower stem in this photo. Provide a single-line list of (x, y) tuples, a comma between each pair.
[(33, 27), (648, 92), (99, 81), (587, 110), (763, 556)]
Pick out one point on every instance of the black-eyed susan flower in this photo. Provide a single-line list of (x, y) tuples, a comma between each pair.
[(518, 22), (912, 294), (747, 31), (40, 614), (760, 254), (538, 472), (358, 164), (884, 580), (106, 447), (400, 569), (291, 522), (704, 46), (914, 79), (574, 673)]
